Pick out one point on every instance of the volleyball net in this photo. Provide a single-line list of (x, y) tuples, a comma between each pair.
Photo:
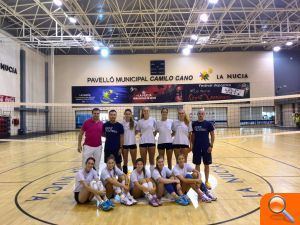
[(55, 122)]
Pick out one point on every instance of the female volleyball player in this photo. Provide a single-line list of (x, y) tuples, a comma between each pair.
[(183, 172), (141, 183), (166, 181), (146, 128), (164, 143), (116, 182), (129, 139), (182, 131), (88, 186)]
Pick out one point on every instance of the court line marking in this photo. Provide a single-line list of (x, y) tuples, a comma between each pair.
[(246, 214), (17, 195), (24, 164), (268, 157), (216, 223)]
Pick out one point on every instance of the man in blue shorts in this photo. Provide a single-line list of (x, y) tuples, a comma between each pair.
[(201, 145)]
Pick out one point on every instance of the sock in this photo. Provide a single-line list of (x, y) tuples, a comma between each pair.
[(146, 185), (125, 169), (117, 190), (203, 188), (150, 185)]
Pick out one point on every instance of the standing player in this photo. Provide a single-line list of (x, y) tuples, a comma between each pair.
[(129, 139), (92, 129), (88, 186), (181, 131), (164, 143), (146, 127), (202, 147), (114, 133)]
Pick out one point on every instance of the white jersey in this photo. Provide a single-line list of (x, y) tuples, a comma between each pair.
[(114, 173), (82, 175), (146, 127), (164, 128), (181, 132), (129, 134), (182, 171), (164, 173), (135, 176)]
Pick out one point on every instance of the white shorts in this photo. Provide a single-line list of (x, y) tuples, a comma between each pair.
[(94, 152)]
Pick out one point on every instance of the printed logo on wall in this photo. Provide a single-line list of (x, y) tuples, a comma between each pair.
[(204, 75), (8, 68)]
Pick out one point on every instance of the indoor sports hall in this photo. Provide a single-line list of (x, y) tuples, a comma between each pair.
[(238, 61)]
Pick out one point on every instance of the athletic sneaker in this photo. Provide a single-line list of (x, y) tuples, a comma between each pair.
[(105, 206), (211, 196), (117, 198), (208, 186), (110, 202), (181, 201), (186, 198), (130, 197), (126, 201), (153, 202), (205, 199), (158, 201)]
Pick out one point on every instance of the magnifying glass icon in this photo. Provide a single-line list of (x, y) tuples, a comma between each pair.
[(277, 205)]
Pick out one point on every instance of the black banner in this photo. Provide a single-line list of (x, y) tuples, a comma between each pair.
[(159, 93)]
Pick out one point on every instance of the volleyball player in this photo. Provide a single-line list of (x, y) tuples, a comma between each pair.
[(164, 143), (116, 182), (191, 178), (141, 183), (129, 139), (146, 128), (114, 133), (181, 131), (88, 186), (202, 147), (165, 181), (92, 129)]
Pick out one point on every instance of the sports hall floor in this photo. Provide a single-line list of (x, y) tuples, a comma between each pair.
[(37, 178)]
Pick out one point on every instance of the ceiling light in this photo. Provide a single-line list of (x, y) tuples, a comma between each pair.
[(190, 46), (289, 43), (204, 17), (72, 20), (104, 52), (276, 49), (57, 2), (96, 48), (213, 1), (186, 51), (88, 38), (194, 37), (203, 40)]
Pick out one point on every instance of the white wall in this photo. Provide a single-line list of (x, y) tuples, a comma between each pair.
[(74, 70), (35, 80)]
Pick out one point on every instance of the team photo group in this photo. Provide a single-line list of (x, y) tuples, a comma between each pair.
[(155, 181)]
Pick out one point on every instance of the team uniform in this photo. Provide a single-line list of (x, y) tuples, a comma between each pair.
[(106, 173), (201, 142), (82, 175), (136, 177), (164, 128), (146, 127), (113, 132), (129, 135), (92, 146), (181, 138)]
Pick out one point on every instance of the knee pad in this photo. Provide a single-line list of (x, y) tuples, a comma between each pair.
[(100, 186)]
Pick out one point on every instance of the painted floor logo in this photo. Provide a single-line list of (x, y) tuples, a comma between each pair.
[(280, 209)]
